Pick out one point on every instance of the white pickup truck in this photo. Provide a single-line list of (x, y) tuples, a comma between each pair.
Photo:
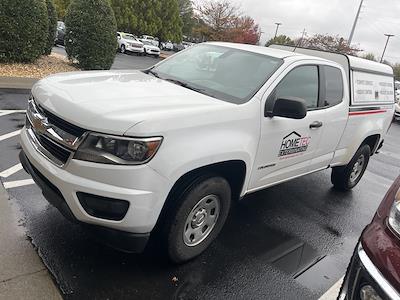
[(165, 151)]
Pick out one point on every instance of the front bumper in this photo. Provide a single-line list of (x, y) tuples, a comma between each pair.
[(153, 52), (135, 49), (141, 186), (361, 273), (123, 241)]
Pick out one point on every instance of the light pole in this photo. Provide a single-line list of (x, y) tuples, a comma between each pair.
[(387, 42), (355, 22), (277, 27)]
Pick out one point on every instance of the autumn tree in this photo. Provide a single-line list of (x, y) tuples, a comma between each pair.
[(329, 43), (244, 31), (221, 21), (280, 40), (218, 17)]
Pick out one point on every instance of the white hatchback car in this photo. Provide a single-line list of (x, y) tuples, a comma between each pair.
[(150, 49), (128, 42), (154, 41)]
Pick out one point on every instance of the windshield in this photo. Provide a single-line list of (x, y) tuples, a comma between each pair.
[(147, 43), (128, 36), (225, 73)]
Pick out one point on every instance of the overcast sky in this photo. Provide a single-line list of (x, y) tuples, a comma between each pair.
[(333, 17)]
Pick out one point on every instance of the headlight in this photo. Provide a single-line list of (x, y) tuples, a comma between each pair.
[(394, 216), (117, 150)]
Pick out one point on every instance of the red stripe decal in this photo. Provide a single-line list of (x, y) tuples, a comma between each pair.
[(370, 112)]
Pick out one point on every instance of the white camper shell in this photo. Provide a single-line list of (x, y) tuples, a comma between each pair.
[(370, 83)]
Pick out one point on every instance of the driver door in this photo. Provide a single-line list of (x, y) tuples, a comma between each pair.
[(287, 146)]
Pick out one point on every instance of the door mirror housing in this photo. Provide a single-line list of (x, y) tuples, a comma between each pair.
[(289, 107)]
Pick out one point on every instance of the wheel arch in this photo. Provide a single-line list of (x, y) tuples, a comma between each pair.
[(234, 171), (373, 142)]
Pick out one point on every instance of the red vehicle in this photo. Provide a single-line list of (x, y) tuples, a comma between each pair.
[(374, 271)]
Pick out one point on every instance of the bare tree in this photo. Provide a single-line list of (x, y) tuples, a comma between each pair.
[(219, 20), (218, 16)]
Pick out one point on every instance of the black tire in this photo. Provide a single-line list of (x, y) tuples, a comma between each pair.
[(123, 49), (345, 178), (178, 214)]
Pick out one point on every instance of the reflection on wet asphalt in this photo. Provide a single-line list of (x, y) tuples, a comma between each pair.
[(290, 241)]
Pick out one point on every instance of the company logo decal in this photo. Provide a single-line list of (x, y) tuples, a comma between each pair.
[(293, 144)]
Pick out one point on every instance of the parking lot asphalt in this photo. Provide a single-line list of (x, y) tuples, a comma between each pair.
[(291, 241), (123, 61)]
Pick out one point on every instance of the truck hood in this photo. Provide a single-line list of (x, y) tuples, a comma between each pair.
[(115, 101)]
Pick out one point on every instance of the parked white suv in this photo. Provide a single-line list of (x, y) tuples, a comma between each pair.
[(165, 151), (128, 42), (397, 106)]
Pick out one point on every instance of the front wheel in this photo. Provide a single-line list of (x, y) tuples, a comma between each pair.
[(347, 177), (196, 218), (123, 49)]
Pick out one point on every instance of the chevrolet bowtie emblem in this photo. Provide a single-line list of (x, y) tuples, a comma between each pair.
[(39, 125)]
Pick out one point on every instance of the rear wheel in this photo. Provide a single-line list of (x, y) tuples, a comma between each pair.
[(196, 218), (347, 177)]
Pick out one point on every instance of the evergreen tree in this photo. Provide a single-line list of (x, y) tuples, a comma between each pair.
[(280, 40), (125, 15), (91, 34), (148, 13), (171, 22), (23, 30), (52, 17), (61, 8), (187, 16)]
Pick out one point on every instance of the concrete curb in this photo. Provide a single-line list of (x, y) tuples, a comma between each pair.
[(22, 273), (20, 83)]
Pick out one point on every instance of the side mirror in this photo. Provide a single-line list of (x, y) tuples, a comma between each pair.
[(290, 107)]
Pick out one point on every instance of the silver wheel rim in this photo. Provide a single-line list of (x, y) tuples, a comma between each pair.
[(357, 168), (201, 220), (122, 49)]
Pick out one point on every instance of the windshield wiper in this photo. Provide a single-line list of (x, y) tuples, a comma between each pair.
[(185, 85), (154, 73)]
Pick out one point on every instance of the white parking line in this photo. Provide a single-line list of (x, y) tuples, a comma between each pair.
[(18, 183), (10, 171), (9, 135), (9, 112), (333, 292)]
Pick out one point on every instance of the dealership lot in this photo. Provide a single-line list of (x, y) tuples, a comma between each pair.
[(124, 61), (292, 240)]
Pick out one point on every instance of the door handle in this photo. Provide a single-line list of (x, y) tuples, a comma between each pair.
[(316, 124)]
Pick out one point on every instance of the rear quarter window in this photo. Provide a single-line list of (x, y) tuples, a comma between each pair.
[(333, 86)]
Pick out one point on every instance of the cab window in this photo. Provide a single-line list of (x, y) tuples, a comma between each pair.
[(302, 82)]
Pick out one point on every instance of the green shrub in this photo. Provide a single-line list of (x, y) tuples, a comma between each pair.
[(52, 29), (91, 34), (23, 30)]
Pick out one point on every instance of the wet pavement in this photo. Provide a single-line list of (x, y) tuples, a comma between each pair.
[(290, 241)]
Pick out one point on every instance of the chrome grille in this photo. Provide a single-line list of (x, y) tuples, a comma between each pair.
[(51, 136)]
